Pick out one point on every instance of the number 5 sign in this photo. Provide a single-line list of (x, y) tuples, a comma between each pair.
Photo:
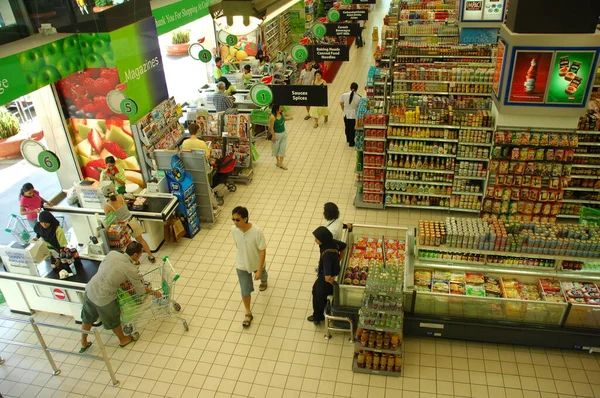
[(261, 95)]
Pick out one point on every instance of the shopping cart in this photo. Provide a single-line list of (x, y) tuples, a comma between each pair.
[(138, 310)]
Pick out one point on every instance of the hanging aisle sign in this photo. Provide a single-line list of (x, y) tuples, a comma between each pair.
[(322, 53), (354, 15), (299, 95), (342, 29)]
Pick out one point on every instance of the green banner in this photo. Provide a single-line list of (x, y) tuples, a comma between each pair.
[(140, 67), (29, 70), (175, 15)]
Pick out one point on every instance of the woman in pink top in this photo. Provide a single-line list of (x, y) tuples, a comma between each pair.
[(31, 203)]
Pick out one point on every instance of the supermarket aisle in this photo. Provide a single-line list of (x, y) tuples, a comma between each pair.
[(283, 355)]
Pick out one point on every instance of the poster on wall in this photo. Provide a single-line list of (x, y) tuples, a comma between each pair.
[(530, 74), (483, 10), (570, 76), (498, 67)]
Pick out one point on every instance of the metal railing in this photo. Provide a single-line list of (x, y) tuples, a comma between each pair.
[(47, 350)]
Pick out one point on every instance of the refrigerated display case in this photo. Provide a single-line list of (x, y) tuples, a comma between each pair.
[(570, 321)]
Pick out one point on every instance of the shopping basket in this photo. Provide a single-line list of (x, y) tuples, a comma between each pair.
[(260, 116), (138, 310), (589, 216)]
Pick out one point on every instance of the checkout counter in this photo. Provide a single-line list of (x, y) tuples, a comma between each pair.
[(160, 206), (28, 281)]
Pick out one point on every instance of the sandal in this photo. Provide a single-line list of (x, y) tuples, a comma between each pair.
[(315, 126), (326, 119), (247, 320), (83, 350), (263, 286), (282, 167), (152, 259)]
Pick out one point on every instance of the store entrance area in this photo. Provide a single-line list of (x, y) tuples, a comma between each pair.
[(282, 354), (16, 171)]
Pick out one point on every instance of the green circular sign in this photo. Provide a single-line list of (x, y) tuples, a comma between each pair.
[(129, 107), (319, 29), (231, 40), (261, 95), (205, 56), (49, 161), (347, 2), (333, 15), (299, 53)]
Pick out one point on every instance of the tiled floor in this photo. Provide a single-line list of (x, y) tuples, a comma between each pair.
[(282, 355)]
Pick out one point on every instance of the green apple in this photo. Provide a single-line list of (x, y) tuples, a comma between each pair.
[(31, 60), (109, 58), (94, 60), (66, 66), (47, 74), (52, 52), (85, 46), (79, 62), (31, 81), (101, 45), (70, 46)]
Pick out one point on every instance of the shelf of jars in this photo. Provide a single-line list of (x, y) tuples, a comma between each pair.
[(378, 343), (370, 155)]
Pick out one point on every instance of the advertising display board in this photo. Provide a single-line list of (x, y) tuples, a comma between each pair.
[(553, 77), (482, 10), (570, 76), (529, 81), (498, 67)]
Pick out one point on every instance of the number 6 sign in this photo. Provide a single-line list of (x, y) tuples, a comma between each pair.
[(261, 95)]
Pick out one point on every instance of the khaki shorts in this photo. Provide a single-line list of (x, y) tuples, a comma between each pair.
[(109, 314), (136, 227)]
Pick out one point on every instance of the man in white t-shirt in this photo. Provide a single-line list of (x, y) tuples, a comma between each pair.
[(250, 259)]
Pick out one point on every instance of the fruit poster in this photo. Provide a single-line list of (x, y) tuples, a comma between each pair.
[(570, 77), (530, 74)]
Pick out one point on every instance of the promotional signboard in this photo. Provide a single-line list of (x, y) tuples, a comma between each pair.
[(35, 68), (570, 75), (530, 73), (342, 29), (479, 35), (483, 10), (498, 68), (354, 15), (551, 77), (299, 95), (322, 53), (180, 13)]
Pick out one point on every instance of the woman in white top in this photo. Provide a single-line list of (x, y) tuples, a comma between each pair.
[(334, 224), (349, 104)]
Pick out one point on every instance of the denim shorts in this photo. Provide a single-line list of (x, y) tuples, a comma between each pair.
[(247, 280)]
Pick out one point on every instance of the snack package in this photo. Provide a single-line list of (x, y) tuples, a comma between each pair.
[(492, 287), (423, 277), (440, 286), (475, 290), (530, 292), (457, 288), (474, 278)]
